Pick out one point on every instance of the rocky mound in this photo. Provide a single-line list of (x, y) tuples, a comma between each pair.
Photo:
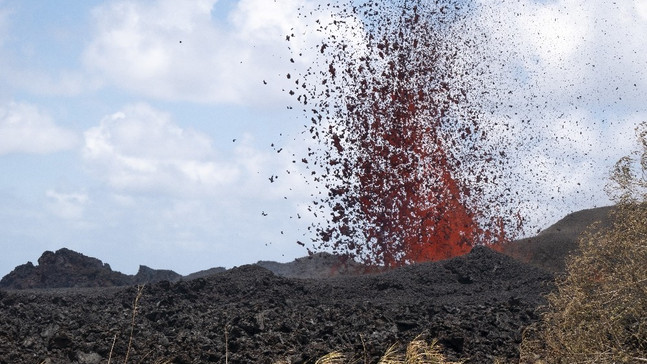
[(318, 265), (203, 273), (67, 268), (476, 305), (549, 248), (149, 275)]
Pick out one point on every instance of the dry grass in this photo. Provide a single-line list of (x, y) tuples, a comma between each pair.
[(138, 296), (599, 312), (332, 358), (418, 351)]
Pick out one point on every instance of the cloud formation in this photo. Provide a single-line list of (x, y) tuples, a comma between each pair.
[(69, 206), (179, 51), (576, 52), (26, 129), (169, 187), (141, 149)]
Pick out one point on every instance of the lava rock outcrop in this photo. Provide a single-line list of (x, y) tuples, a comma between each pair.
[(66, 268), (549, 249)]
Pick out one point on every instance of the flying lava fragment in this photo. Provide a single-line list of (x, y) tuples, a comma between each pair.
[(403, 156)]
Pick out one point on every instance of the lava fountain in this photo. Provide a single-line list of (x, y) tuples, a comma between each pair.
[(403, 153)]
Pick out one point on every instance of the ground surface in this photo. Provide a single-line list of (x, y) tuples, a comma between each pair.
[(548, 249), (476, 305)]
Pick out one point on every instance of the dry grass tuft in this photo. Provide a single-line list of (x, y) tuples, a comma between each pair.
[(417, 352), (140, 291), (421, 352), (391, 356), (332, 358), (138, 296)]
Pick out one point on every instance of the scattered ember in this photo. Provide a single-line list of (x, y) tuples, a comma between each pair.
[(403, 151)]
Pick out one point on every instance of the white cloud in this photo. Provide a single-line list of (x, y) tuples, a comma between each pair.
[(577, 53), (57, 83), (26, 129), (140, 148), (641, 8), (69, 206), (178, 50), (556, 29)]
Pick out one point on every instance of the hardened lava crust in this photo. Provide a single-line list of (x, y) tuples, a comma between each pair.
[(476, 305)]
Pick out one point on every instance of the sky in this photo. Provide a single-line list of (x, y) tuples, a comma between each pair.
[(141, 132)]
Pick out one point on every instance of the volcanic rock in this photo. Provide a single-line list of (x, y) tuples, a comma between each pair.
[(66, 268), (476, 305), (549, 249), (149, 275), (203, 273), (317, 265)]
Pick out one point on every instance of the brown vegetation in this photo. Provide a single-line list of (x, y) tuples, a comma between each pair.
[(597, 314)]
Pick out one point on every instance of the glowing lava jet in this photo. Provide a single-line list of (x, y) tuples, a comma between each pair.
[(401, 157)]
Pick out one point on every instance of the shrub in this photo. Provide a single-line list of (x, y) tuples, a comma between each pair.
[(598, 313)]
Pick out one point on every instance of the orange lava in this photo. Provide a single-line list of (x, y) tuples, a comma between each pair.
[(409, 199), (397, 190)]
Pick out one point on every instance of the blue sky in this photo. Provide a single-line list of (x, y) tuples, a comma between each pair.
[(117, 121)]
